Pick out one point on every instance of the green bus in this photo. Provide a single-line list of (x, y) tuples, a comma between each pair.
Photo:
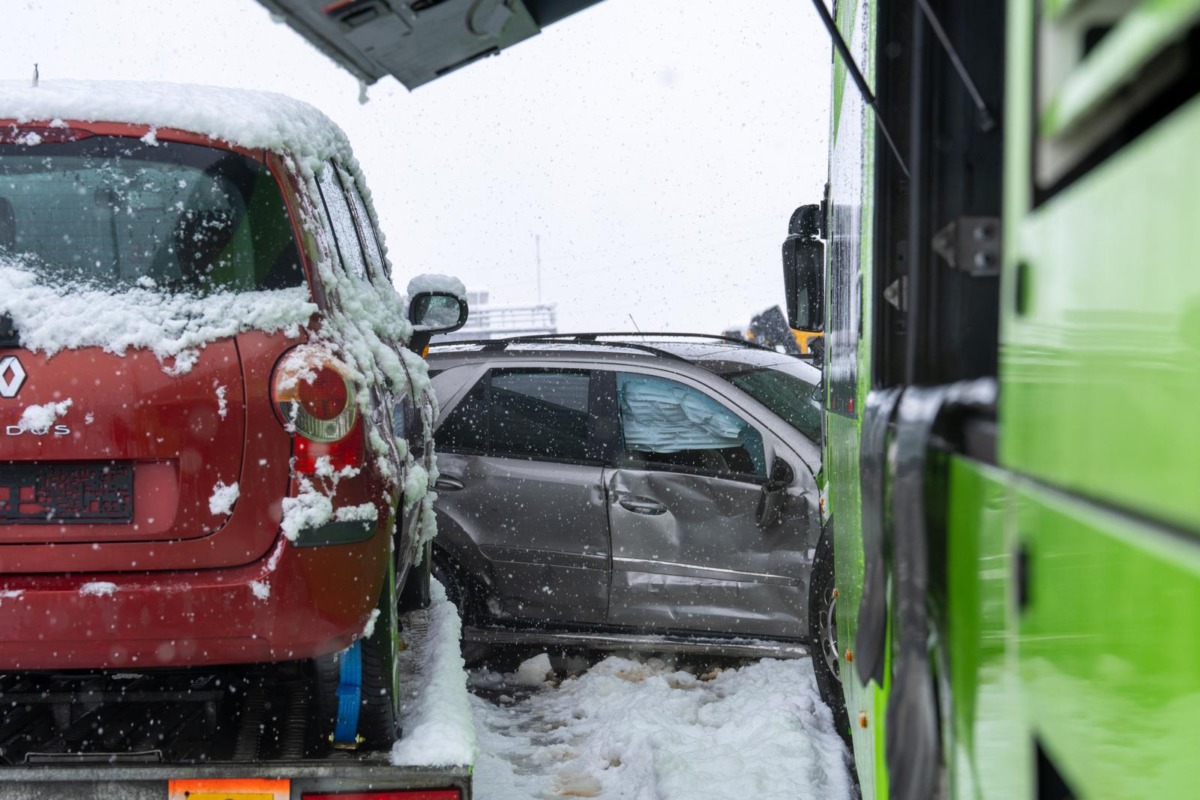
[(1006, 267)]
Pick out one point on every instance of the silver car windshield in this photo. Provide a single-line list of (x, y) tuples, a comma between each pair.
[(790, 396)]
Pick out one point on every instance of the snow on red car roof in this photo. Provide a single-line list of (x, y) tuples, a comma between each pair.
[(250, 119)]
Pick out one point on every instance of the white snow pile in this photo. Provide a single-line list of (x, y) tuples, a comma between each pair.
[(534, 671), (247, 118), (364, 512), (435, 714), (312, 506), (221, 502), (369, 629), (38, 419), (98, 589), (643, 729), (53, 317), (437, 283), (222, 403)]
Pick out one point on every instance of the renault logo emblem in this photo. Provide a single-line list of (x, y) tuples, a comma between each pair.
[(12, 375)]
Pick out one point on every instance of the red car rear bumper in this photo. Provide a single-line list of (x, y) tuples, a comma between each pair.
[(296, 602)]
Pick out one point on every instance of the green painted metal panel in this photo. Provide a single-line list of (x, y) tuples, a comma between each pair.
[(847, 13), (1096, 385), (1100, 375), (989, 752), (1103, 667), (1057, 8), (1116, 61), (1108, 652), (862, 702), (851, 197)]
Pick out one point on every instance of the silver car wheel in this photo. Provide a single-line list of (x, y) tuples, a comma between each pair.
[(828, 638)]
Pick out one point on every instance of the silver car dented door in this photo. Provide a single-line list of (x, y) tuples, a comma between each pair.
[(683, 500), (519, 493)]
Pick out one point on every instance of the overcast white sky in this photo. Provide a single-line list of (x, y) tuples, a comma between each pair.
[(657, 148)]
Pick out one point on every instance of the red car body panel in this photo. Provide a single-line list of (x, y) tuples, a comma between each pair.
[(319, 600), (127, 408), (180, 586)]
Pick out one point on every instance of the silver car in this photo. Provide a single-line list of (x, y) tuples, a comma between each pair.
[(597, 488)]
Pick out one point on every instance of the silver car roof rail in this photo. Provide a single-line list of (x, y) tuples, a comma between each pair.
[(602, 339)]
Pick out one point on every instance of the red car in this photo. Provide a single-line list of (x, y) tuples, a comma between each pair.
[(212, 450)]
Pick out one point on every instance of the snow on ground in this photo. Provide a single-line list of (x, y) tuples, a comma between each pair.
[(648, 730), (638, 728), (435, 715)]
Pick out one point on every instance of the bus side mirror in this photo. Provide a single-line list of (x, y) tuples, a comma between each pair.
[(804, 270)]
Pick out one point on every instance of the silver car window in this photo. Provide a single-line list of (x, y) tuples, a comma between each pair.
[(540, 414), (465, 429), (665, 423)]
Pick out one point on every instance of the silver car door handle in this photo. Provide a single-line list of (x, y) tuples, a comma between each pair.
[(448, 483), (640, 505)]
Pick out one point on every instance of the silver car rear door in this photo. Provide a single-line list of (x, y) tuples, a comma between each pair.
[(683, 500), (520, 495)]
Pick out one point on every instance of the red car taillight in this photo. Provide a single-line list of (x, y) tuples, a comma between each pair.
[(326, 397), (315, 399)]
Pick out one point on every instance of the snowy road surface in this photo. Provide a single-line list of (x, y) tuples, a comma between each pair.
[(637, 729), (647, 730)]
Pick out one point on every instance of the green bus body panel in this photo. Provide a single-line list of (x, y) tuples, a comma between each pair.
[(1101, 668), (851, 187), (842, 469), (1121, 54), (1108, 651), (989, 749), (847, 12), (1099, 378)]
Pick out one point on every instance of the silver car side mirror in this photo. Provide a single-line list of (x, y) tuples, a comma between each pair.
[(774, 492)]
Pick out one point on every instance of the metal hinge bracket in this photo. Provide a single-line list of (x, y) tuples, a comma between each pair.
[(971, 244)]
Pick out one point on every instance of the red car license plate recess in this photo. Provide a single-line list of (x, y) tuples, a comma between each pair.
[(62, 492)]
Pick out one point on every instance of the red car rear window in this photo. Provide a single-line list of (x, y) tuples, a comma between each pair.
[(110, 211)]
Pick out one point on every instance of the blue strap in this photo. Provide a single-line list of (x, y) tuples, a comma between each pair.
[(349, 696)]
